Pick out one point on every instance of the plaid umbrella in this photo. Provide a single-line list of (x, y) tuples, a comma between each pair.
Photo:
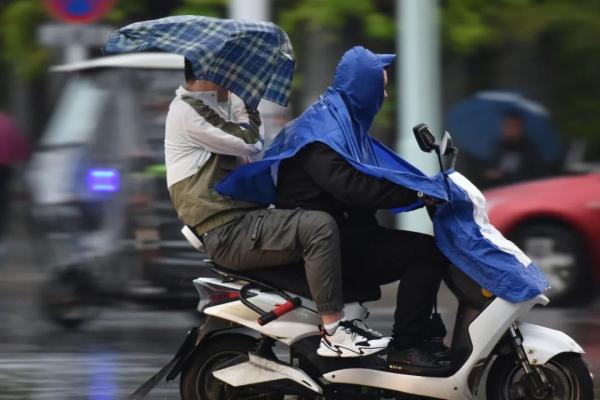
[(251, 59)]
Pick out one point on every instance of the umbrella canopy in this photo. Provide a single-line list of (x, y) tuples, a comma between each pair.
[(476, 124), (13, 145), (251, 59)]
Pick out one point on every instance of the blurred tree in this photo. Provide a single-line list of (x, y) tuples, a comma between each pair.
[(210, 8), (339, 25), (376, 18), (136, 10), (564, 34), (18, 21)]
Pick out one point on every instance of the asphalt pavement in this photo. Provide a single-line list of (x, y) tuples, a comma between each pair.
[(127, 343)]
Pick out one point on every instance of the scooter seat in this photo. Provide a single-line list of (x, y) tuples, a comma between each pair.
[(291, 278)]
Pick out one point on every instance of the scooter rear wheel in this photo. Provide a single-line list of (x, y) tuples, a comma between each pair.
[(568, 375), (197, 381)]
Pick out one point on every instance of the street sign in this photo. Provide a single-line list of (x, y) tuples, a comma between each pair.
[(59, 35), (78, 11)]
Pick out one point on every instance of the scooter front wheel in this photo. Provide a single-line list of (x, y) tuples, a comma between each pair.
[(568, 378), (197, 381)]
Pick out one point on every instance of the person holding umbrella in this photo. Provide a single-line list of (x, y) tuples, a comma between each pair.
[(14, 148), (504, 138), (212, 127)]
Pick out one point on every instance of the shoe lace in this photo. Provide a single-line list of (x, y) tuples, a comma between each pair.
[(364, 326), (352, 328)]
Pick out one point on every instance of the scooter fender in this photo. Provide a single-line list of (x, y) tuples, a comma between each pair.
[(193, 339), (186, 348), (541, 344)]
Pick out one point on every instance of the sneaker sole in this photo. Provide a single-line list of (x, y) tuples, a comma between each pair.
[(344, 352)]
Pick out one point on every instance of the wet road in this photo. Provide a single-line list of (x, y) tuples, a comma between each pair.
[(126, 344)]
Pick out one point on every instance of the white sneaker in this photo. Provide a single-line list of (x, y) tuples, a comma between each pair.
[(363, 325), (349, 340)]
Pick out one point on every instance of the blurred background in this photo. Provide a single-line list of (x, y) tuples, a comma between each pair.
[(95, 278)]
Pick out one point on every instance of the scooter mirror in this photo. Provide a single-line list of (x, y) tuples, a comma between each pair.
[(425, 138), (446, 144)]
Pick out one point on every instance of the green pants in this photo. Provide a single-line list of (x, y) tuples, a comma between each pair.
[(272, 237)]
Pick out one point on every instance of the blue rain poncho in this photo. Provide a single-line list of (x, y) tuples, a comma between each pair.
[(341, 119)]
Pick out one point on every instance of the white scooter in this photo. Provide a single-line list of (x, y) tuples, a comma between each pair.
[(494, 356)]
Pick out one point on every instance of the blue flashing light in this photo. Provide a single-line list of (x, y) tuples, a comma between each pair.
[(103, 180)]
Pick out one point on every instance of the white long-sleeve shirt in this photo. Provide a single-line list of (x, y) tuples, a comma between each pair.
[(190, 138)]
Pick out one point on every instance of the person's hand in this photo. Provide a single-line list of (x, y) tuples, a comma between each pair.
[(432, 201), (428, 200)]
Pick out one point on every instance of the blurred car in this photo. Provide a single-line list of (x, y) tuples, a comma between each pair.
[(99, 198), (557, 223)]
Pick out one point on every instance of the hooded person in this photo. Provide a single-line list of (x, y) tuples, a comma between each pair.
[(319, 177), (326, 160)]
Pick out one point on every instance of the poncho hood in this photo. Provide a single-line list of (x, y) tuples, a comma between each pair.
[(359, 80)]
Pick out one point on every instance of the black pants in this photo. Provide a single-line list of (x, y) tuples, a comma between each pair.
[(376, 256)]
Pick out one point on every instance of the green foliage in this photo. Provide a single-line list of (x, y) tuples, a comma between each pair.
[(125, 11), (380, 26), (209, 8), (566, 32), (337, 20), (464, 26), (18, 24), (20, 19), (336, 14), (469, 25)]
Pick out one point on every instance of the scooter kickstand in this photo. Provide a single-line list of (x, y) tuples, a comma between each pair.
[(265, 347)]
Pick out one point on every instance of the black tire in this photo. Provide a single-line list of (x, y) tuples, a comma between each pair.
[(568, 374), (560, 253), (70, 299), (197, 381)]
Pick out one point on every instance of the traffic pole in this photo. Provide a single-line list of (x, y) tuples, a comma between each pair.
[(419, 90), (255, 10)]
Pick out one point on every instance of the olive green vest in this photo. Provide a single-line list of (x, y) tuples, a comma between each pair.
[(199, 205)]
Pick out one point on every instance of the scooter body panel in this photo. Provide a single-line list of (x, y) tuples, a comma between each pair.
[(485, 332), (541, 344), (289, 328), (260, 370), (489, 327), (439, 388)]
